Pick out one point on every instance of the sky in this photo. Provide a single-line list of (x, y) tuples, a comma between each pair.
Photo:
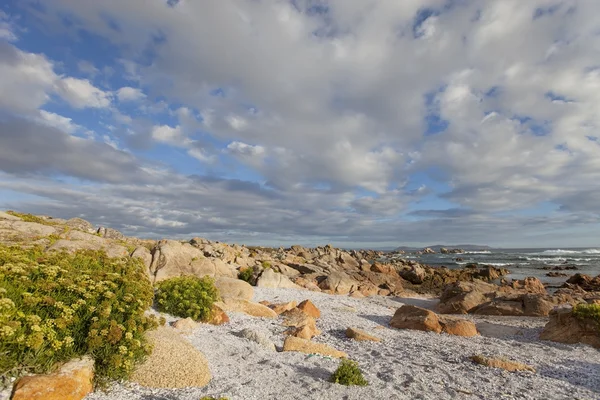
[(360, 123)]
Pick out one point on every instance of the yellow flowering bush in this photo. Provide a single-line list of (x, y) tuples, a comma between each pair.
[(56, 305), (187, 296)]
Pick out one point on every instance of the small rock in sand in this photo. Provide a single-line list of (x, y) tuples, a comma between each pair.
[(246, 307), (360, 335), (503, 363), (256, 337), (282, 307), (185, 325), (306, 346)]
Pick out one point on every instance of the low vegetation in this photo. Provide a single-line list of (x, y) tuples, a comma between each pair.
[(187, 296), (31, 218), (348, 373), (246, 274), (55, 306), (587, 312)]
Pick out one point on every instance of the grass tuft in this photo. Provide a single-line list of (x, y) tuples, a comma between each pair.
[(348, 373)]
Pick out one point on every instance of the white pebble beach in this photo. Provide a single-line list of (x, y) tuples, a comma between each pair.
[(406, 364)]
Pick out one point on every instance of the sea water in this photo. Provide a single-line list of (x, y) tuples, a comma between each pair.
[(521, 262)]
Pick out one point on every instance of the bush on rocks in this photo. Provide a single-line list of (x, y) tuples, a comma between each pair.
[(247, 275), (587, 311), (348, 373), (56, 306), (187, 296)]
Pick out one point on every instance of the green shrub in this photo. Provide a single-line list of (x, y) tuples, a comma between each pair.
[(187, 296), (587, 311), (246, 275), (55, 306), (31, 218), (266, 264), (348, 373)]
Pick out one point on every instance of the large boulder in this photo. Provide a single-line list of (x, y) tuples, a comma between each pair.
[(461, 297), (173, 258), (144, 254), (234, 288), (308, 308), (73, 381), (458, 327), (80, 225), (527, 285), (338, 282), (532, 305), (110, 233), (564, 327), (413, 317), (415, 274), (271, 279), (174, 363), (585, 282)]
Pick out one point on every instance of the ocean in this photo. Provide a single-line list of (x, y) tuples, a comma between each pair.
[(521, 262)]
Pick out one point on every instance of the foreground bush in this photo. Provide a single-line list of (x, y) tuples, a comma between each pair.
[(187, 296), (348, 373), (56, 306)]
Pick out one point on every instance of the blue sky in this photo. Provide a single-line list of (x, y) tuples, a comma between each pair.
[(279, 122)]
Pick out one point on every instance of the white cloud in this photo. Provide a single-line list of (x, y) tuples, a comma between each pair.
[(25, 79), (130, 94), (169, 135), (80, 93), (57, 121), (341, 100)]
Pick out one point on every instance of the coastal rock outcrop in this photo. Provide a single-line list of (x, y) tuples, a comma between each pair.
[(564, 327), (417, 318)]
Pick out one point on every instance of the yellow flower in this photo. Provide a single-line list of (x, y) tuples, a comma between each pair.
[(6, 331), (122, 350), (36, 328)]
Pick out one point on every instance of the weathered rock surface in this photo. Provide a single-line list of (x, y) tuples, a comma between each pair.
[(308, 308), (185, 325), (458, 327), (246, 307), (218, 317), (280, 308), (271, 279), (502, 363), (174, 363), (461, 297), (585, 282), (234, 288), (306, 346), (564, 327), (417, 318), (360, 335), (73, 381), (257, 337)]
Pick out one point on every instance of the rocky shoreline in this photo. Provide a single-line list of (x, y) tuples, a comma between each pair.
[(401, 300)]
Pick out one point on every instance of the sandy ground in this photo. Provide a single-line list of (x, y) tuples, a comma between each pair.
[(405, 365)]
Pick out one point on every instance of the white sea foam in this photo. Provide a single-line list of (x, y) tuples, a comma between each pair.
[(562, 252), (478, 252)]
